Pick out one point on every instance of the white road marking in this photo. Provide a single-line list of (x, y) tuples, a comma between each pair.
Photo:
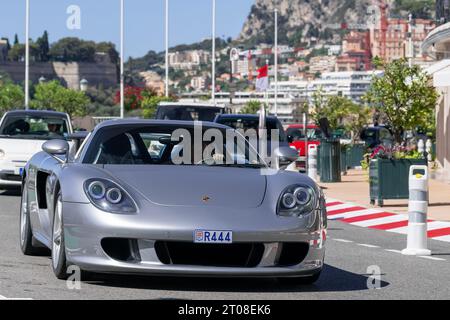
[(380, 221), (343, 240), (433, 225), (443, 238), (393, 251), (341, 206), (432, 258), (367, 245), (5, 298), (353, 214)]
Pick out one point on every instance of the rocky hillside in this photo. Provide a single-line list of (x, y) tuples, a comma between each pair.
[(313, 18)]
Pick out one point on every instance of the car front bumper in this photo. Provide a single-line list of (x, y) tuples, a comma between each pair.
[(86, 227)]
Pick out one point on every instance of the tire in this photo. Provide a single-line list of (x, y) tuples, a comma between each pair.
[(59, 261), (300, 280), (25, 232)]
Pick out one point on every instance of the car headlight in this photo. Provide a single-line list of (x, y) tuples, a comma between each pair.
[(2, 154), (297, 200), (108, 196)]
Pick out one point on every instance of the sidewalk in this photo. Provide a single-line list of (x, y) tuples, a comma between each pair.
[(355, 188)]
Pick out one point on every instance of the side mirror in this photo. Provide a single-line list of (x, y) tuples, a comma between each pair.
[(57, 148), (285, 156)]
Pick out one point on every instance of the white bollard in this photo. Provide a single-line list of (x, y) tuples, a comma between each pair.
[(421, 146), (417, 208), (312, 162), (429, 148)]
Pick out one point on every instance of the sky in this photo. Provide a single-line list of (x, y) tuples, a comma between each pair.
[(190, 21)]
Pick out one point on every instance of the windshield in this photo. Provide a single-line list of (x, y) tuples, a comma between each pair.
[(169, 145), (34, 127), (253, 124), (188, 113), (299, 134)]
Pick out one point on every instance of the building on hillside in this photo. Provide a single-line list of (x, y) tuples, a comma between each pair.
[(352, 85), (188, 60), (321, 64), (244, 66), (294, 93), (198, 83), (393, 43), (356, 52), (334, 50), (153, 81)]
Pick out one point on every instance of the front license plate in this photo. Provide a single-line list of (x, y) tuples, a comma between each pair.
[(213, 236), (18, 171)]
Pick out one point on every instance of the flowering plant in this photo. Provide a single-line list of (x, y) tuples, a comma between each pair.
[(133, 97)]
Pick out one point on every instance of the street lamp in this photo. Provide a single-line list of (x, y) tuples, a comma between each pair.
[(167, 48), (276, 62), (122, 75), (213, 71), (27, 54), (84, 85)]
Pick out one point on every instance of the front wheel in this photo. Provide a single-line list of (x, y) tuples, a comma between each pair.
[(26, 233), (300, 280), (59, 262)]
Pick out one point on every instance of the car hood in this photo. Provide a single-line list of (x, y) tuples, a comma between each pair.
[(20, 149), (194, 185)]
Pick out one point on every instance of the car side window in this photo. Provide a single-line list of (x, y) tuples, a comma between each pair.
[(385, 134)]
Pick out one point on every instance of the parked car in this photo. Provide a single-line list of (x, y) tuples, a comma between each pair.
[(296, 137), (188, 111), (376, 136), (251, 122), (116, 208), (22, 134)]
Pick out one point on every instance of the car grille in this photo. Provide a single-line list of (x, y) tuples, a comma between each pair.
[(241, 255)]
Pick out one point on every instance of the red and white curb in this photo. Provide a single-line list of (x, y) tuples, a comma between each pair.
[(357, 215)]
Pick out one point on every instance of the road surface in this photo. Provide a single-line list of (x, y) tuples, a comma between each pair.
[(354, 257)]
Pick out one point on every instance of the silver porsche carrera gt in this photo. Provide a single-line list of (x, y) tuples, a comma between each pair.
[(125, 203)]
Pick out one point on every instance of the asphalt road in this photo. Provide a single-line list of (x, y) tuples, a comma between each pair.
[(352, 255)]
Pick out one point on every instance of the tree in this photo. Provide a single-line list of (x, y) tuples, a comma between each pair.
[(17, 52), (150, 104), (404, 96), (53, 96), (16, 39), (43, 47), (358, 118), (110, 49), (341, 112), (11, 97), (336, 109), (252, 107), (73, 49), (133, 97)]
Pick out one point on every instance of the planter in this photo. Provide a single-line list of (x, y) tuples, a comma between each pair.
[(344, 154), (330, 161), (389, 179), (355, 154)]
